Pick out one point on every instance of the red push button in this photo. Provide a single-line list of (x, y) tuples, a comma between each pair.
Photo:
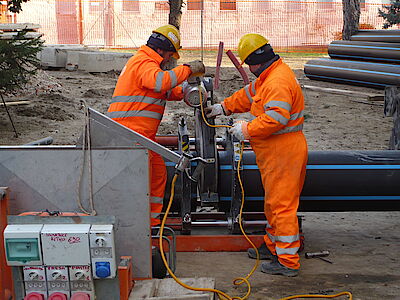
[(80, 296), (34, 296), (57, 296)]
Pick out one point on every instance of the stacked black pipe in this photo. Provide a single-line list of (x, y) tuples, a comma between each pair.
[(371, 58)]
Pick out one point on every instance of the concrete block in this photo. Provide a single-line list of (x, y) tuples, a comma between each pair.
[(97, 61), (168, 289), (55, 56), (72, 63)]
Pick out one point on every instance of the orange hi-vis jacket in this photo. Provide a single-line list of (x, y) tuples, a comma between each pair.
[(274, 98), (138, 103), (142, 90)]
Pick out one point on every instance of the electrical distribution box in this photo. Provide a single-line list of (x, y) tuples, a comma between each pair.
[(60, 261), (102, 249), (66, 244), (22, 244)]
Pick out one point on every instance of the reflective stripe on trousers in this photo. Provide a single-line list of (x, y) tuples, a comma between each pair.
[(158, 180), (282, 160)]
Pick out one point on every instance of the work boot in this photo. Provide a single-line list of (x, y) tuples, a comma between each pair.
[(263, 251), (276, 268)]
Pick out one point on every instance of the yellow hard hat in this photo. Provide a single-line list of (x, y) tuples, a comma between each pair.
[(249, 43), (172, 34)]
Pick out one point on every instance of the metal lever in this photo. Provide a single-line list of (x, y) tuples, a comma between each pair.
[(184, 162), (201, 163)]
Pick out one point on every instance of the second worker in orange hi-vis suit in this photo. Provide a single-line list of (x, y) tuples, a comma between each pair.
[(276, 100), (140, 97)]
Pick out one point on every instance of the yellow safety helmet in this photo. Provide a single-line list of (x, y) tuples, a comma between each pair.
[(172, 34), (249, 43)]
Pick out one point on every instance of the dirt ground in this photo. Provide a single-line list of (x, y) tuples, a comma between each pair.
[(364, 246), (363, 249), (331, 121)]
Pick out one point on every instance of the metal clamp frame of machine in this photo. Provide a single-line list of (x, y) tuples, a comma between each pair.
[(335, 180), (61, 261)]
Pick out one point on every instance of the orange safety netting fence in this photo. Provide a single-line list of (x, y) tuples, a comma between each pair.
[(289, 25)]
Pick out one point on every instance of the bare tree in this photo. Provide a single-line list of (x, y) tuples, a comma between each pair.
[(175, 12), (175, 16), (351, 18)]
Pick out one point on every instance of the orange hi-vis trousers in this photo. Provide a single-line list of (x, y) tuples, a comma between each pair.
[(158, 180), (282, 162)]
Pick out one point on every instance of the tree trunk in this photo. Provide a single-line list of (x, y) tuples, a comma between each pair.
[(351, 18), (175, 12), (175, 16)]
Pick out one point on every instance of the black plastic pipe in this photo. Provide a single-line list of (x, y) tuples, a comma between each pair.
[(335, 181), (387, 36), (369, 51), (376, 75)]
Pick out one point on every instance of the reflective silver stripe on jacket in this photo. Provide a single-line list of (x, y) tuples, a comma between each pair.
[(290, 251), (154, 215), (297, 116), (156, 200), (174, 80), (280, 104), (253, 88), (246, 88), (268, 225), (134, 113), (159, 79), (290, 129), (138, 99), (277, 117)]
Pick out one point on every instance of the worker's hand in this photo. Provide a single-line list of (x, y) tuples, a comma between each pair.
[(214, 110), (197, 67), (239, 130)]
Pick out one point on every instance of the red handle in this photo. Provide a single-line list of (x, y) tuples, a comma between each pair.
[(238, 66)]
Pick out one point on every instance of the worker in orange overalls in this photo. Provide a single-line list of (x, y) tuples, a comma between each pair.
[(140, 96), (276, 100)]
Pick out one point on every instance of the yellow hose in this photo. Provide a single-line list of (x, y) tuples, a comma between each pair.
[(238, 280), (320, 296)]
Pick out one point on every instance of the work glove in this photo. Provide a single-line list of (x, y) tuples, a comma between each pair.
[(239, 130), (214, 110), (197, 67)]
